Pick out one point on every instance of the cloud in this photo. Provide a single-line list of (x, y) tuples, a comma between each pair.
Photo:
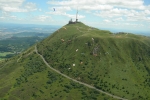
[(8, 16), (13, 17), (5, 14), (96, 7), (132, 10), (147, 12), (31, 6), (126, 14), (40, 10), (108, 21), (17, 6), (118, 19), (116, 12), (121, 13), (62, 11), (13, 9), (42, 18), (11, 5), (74, 16), (82, 5), (2, 17), (101, 4)]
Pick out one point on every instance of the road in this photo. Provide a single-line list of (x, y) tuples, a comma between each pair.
[(24, 53), (19, 58), (87, 85), (4, 65)]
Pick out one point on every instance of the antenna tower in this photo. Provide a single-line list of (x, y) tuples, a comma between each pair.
[(77, 16)]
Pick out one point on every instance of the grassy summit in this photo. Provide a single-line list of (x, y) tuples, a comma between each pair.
[(115, 63)]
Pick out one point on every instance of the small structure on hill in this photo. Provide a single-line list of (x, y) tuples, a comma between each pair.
[(62, 40), (71, 22), (64, 28), (81, 62), (77, 50)]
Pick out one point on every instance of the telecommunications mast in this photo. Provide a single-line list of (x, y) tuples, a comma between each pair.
[(77, 16)]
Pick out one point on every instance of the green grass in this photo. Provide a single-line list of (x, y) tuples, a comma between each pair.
[(23, 81), (121, 66), (3, 54), (31, 79)]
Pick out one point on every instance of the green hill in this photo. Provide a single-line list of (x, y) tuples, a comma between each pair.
[(118, 64)]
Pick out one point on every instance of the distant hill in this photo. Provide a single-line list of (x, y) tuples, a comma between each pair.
[(8, 30), (111, 64)]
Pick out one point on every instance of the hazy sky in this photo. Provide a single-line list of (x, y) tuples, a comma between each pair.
[(117, 14)]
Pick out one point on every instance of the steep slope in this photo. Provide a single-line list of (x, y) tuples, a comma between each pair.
[(115, 63), (26, 77), (76, 58)]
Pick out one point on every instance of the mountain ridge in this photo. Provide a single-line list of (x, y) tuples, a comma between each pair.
[(113, 50), (114, 63)]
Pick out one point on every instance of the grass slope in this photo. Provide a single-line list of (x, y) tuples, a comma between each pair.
[(120, 64), (29, 79)]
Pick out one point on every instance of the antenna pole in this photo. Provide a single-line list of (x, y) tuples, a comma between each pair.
[(77, 16)]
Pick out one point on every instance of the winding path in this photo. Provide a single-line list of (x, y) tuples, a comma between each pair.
[(24, 53), (4, 65), (87, 85), (19, 58), (83, 28)]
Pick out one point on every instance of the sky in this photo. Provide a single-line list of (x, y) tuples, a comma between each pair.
[(122, 15)]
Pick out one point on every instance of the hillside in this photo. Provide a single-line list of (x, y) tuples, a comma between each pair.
[(116, 64), (26, 77)]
